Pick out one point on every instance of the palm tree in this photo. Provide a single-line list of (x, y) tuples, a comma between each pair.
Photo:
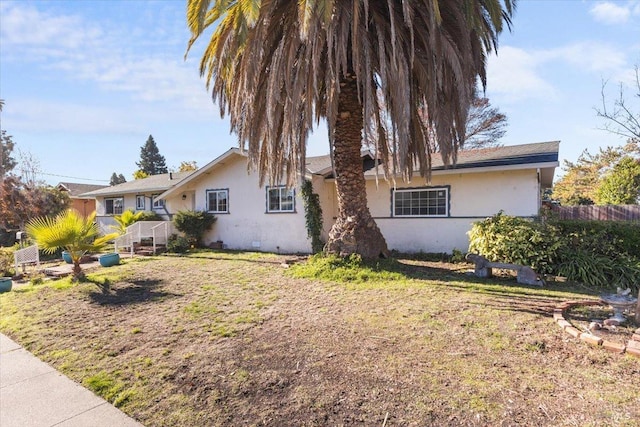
[(369, 67), (69, 231), (127, 218)]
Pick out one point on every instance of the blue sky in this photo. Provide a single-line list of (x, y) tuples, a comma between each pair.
[(86, 82)]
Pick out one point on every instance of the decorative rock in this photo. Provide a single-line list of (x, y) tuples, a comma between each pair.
[(635, 337), (611, 322), (637, 331), (595, 326)]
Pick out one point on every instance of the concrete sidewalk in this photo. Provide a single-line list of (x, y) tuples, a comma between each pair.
[(33, 394)]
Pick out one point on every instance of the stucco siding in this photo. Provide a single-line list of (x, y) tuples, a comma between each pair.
[(472, 196), (248, 225)]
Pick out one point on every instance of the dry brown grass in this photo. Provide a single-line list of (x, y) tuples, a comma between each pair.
[(233, 339)]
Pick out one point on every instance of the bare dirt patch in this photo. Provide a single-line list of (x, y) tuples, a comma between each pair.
[(222, 339)]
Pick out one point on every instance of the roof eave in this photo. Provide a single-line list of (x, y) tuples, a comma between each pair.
[(203, 170)]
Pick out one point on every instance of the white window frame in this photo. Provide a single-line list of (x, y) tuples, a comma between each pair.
[(157, 204), (216, 209), (114, 210), (288, 192), (441, 201), (140, 202)]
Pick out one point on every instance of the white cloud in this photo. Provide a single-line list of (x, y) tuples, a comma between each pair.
[(612, 13), (513, 74), (592, 56), (516, 74), (36, 115), (147, 67)]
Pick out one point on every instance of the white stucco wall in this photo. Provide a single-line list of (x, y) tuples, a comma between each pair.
[(106, 221), (248, 225), (473, 196)]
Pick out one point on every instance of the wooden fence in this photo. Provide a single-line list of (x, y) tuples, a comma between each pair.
[(598, 213)]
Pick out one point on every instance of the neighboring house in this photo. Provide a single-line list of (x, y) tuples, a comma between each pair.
[(138, 195), (428, 216), (85, 205)]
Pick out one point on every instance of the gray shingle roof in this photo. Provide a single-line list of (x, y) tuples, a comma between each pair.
[(153, 183), (74, 189), (539, 152)]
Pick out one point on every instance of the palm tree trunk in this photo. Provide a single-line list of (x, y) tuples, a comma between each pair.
[(78, 274), (354, 231)]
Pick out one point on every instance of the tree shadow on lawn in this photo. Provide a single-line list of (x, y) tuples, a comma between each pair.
[(134, 292)]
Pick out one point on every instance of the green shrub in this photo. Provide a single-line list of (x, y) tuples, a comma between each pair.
[(194, 224), (503, 238), (610, 238), (149, 216), (596, 253), (177, 244), (6, 262)]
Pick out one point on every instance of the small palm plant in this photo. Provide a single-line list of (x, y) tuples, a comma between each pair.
[(69, 231), (127, 218)]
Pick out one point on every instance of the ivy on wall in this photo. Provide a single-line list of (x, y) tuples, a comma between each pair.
[(312, 215)]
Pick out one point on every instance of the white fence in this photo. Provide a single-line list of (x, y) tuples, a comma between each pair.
[(157, 231), (28, 255)]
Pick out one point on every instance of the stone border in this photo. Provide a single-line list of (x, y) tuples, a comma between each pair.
[(632, 348)]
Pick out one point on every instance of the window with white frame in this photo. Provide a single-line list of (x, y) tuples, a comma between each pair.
[(280, 199), (140, 203), (423, 202), (113, 206), (218, 201), (157, 203)]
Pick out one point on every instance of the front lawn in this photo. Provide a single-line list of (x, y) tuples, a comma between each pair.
[(233, 339)]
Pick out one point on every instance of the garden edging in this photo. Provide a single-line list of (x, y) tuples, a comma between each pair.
[(632, 347)]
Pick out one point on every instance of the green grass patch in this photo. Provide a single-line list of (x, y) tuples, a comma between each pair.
[(351, 269)]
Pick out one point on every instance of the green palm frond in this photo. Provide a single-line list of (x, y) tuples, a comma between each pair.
[(70, 231), (124, 220)]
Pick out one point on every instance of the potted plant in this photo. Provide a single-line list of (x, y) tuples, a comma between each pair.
[(5, 284), (69, 231), (110, 259)]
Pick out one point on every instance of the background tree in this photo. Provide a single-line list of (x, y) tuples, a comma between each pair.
[(151, 161), (369, 68), (20, 203), (188, 166), (623, 115), (117, 179), (140, 174), (484, 127), (621, 185), (580, 182), (7, 163)]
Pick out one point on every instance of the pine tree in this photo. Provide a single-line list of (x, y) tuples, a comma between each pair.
[(151, 162), (117, 179)]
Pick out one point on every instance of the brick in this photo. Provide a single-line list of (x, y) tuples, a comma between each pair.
[(563, 323), (633, 344), (633, 352), (572, 331), (591, 339), (613, 347)]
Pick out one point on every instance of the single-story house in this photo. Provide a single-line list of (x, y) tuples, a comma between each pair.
[(421, 215), (138, 195), (81, 203)]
